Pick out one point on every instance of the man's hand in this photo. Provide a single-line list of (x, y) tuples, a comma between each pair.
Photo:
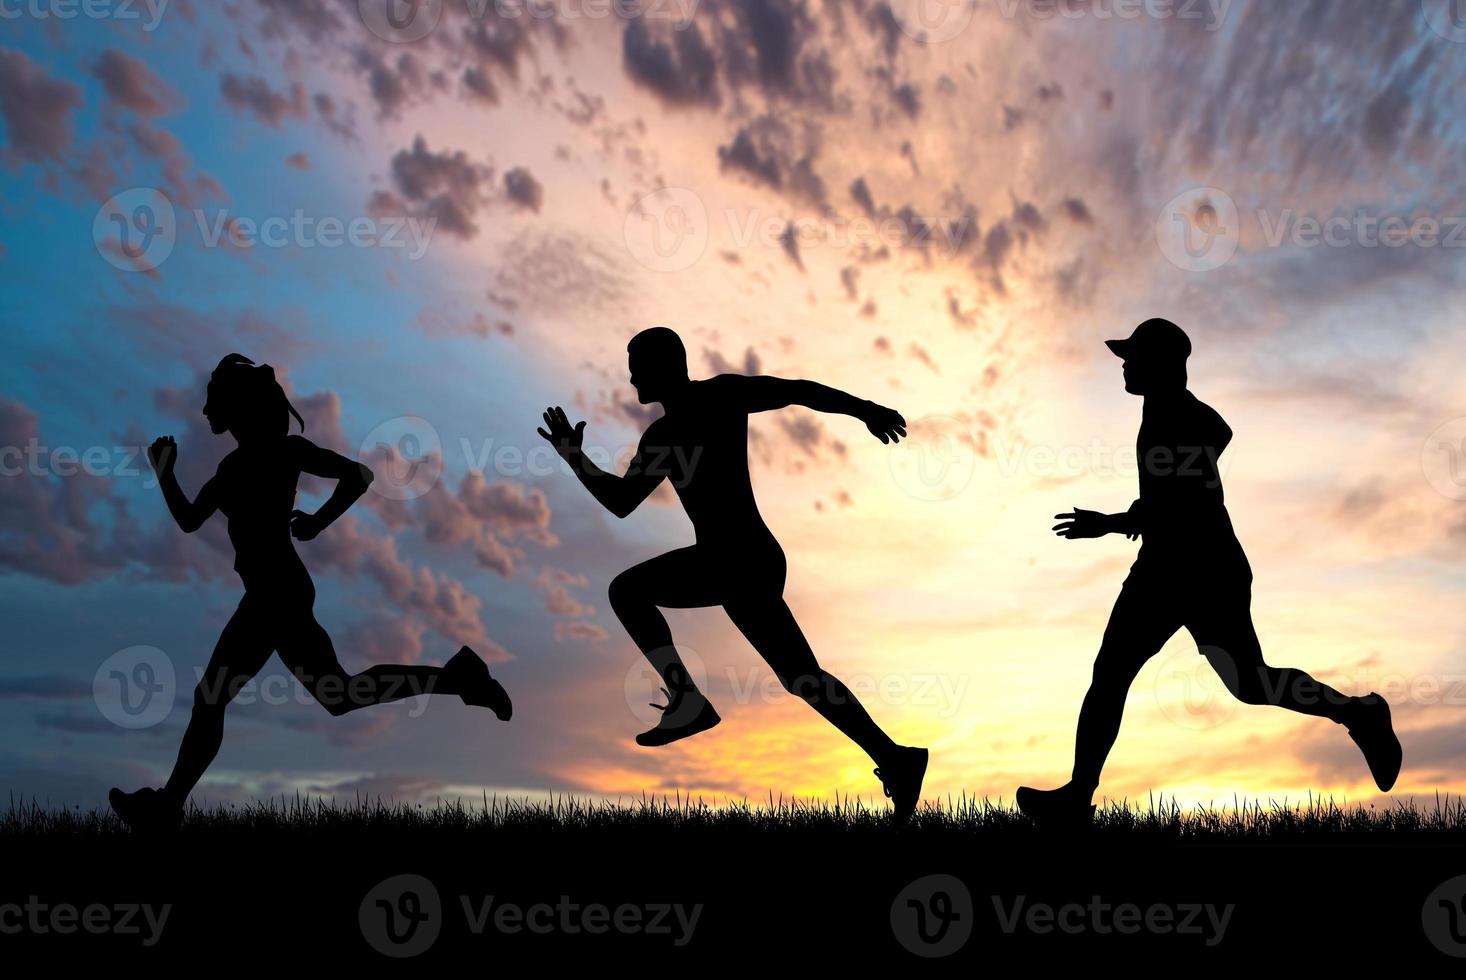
[(562, 435), (1083, 524), (303, 526), (162, 454), (886, 424)]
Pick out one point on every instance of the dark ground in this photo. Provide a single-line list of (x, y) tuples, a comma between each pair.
[(572, 885)]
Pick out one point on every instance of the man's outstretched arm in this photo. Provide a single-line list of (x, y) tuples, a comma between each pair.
[(765, 394), (619, 494), (1093, 524)]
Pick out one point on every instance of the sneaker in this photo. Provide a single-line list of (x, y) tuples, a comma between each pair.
[(1054, 809), (475, 686), (1374, 733), (684, 715), (901, 778), (145, 810)]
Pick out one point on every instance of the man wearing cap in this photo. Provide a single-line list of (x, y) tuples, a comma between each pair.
[(1191, 572)]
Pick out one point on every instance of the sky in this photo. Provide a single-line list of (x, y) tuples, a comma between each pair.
[(435, 224)]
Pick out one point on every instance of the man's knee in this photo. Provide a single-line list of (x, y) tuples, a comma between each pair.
[(625, 593)]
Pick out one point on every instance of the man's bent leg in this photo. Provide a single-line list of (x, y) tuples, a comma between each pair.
[(677, 580)]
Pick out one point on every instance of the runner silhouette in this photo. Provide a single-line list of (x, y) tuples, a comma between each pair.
[(255, 488), (1191, 572), (701, 443)]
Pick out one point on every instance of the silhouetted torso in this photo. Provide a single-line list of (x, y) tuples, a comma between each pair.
[(257, 486), (702, 446), (1181, 503)]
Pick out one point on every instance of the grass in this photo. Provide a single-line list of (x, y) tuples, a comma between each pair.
[(1442, 821)]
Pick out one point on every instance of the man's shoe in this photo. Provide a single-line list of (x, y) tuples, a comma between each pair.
[(684, 714), (1056, 809), (1374, 733), (145, 810), (901, 778), (470, 675)]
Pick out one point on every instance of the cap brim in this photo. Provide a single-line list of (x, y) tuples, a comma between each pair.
[(1120, 348)]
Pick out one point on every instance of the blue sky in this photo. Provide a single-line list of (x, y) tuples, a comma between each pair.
[(539, 151)]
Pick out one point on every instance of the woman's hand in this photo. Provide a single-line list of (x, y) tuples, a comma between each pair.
[(162, 454), (303, 526), (562, 435)]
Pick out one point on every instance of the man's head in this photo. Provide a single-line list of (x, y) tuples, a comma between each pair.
[(1155, 357), (658, 364)]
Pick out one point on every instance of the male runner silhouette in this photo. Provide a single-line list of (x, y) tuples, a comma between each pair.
[(1191, 572), (702, 444)]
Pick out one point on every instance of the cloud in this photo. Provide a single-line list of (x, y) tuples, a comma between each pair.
[(523, 189), (130, 84), (447, 188), (255, 96), (36, 107), (681, 68)]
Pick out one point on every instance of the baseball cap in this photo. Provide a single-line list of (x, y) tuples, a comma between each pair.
[(1153, 340)]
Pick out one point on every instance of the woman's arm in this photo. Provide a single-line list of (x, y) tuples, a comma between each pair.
[(352, 479), (189, 514)]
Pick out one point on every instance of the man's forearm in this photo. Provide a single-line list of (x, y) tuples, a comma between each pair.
[(823, 398), (603, 486)]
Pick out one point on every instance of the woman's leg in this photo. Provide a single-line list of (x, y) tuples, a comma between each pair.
[(306, 649), (243, 649)]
